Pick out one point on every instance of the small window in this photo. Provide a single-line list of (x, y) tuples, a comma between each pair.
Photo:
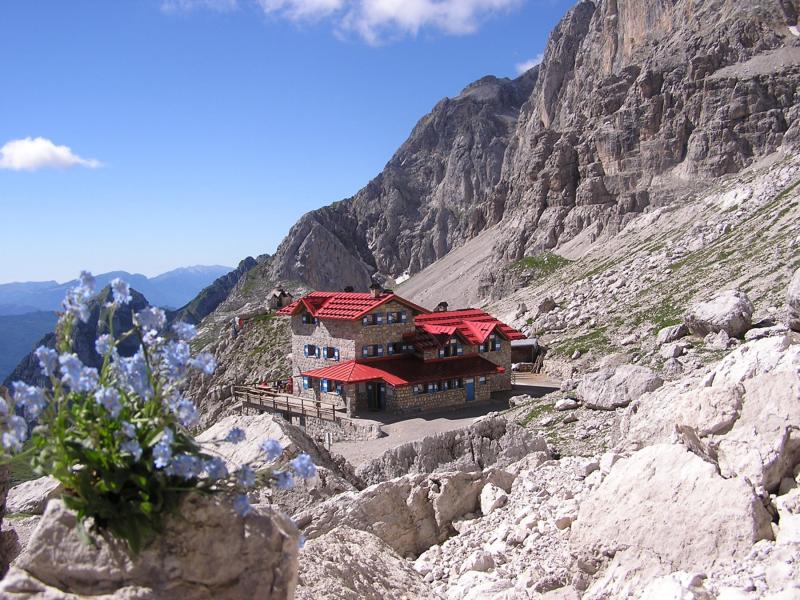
[(419, 389), (323, 385), (371, 351), (482, 380), (306, 383), (340, 389), (494, 343), (311, 351), (433, 387), (397, 317), (310, 320), (330, 353), (482, 348), (374, 319)]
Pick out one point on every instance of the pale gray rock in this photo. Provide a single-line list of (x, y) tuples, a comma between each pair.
[(566, 404), (16, 535), (768, 355), (492, 441), (410, 513), (670, 351), (793, 302), (193, 559), (612, 388), (31, 497), (764, 443), (492, 498), (671, 334), (730, 311), (765, 332), (348, 563), (478, 561), (669, 505)]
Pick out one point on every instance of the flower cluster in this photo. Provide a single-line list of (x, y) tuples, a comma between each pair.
[(118, 437)]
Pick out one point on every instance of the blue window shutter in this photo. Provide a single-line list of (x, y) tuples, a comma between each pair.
[(460, 350), (380, 349), (365, 351), (403, 317), (441, 352), (305, 350), (390, 349), (306, 383), (317, 352), (336, 354)]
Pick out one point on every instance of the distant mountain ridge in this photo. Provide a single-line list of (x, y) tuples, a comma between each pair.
[(171, 289)]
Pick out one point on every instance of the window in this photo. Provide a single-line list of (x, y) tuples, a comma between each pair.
[(483, 348), (397, 317), (433, 387), (370, 351), (373, 319), (306, 383), (419, 389), (453, 348), (311, 351), (454, 384), (323, 385), (399, 348), (330, 353), (340, 389), (309, 320), (482, 380), (494, 342)]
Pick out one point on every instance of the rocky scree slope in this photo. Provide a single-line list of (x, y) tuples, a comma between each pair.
[(635, 103)]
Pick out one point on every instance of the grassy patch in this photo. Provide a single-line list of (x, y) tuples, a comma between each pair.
[(541, 265), (665, 315), (595, 340), (537, 411), (20, 469)]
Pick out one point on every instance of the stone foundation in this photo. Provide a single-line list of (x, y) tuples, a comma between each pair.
[(343, 430)]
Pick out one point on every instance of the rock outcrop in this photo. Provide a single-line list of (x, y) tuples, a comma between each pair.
[(616, 387), (334, 475), (694, 517), (362, 566), (492, 441), (730, 311), (31, 497), (793, 302), (207, 552)]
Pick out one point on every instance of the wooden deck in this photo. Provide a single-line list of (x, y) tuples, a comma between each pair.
[(266, 400)]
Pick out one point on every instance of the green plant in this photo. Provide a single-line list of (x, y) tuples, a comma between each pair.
[(541, 265), (118, 438)]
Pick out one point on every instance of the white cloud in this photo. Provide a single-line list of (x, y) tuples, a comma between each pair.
[(32, 154), (373, 20), (529, 64)]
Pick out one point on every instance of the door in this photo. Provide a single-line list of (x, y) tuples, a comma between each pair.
[(469, 388), (376, 393)]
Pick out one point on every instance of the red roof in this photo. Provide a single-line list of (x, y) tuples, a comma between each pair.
[(347, 306), (472, 324), (406, 370)]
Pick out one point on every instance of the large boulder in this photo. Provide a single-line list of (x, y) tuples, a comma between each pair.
[(793, 302), (756, 358), (730, 311), (764, 443), (669, 505), (492, 441), (334, 475), (207, 552), (31, 497), (348, 563), (617, 387), (410, 513)]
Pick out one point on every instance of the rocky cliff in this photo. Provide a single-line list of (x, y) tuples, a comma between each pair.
[(635, 103)]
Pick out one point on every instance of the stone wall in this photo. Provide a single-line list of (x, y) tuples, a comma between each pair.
[(343, 430)]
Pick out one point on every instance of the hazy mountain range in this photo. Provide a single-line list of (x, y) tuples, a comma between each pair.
[(169, 290), (27, 309)]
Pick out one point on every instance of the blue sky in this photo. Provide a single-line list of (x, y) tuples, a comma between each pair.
[(199, 131)]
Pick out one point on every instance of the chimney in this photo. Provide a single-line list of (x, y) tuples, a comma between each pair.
[(348, 289), (375, 290), (441, 307)]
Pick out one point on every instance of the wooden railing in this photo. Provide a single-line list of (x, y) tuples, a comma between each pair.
[(266, 400)]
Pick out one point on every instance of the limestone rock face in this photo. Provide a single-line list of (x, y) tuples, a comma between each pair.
[(334, 476), (31, 496), (617, 387), (793, 302), (764, 443), (492, 441), (409, 513), (730, 311), (671, 334), (349, 563), (209, 552), (668, 503)]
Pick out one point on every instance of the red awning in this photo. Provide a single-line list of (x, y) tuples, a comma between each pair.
[(406, 370)]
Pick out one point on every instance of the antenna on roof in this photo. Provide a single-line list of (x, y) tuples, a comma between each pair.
[(376, 289), (441, 307), (348, 289)]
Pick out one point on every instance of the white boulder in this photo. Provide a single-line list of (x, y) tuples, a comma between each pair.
[(793, 302), (730, 311), (31, 497), (566, 404), (492, 498), (617, 387), (671, 334)]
